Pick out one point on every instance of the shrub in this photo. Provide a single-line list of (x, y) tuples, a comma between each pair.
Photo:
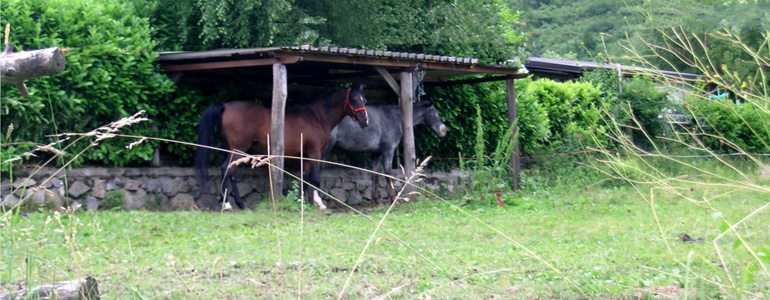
[(572, 108), (114, 200), (109, 74), (646, 103), (728, 125), (459, 117)]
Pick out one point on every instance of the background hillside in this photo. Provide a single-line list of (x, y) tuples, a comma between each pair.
[(583, 29)]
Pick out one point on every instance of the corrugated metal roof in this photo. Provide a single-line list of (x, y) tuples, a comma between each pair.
[(437, 67), (180, 55), (384, 54)]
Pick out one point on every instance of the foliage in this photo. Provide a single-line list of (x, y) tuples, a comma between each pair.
[(647, 104), (588, 28), (562, 29), (712, 26), (573, 110), (461, 124), (202, 25), (737, 125), (442, 27), (113, 201), (487, 171), (553, 118), (744, 126), (109, 74)]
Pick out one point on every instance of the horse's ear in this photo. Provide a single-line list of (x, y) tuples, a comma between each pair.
[(359, 86)]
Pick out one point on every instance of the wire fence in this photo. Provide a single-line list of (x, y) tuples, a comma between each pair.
[(613, 152)]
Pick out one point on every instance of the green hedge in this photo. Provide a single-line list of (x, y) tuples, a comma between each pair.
[(743, 125), (109, 74), (553, 117), (647, 103)]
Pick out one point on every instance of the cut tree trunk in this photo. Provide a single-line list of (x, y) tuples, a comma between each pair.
[(20, 66), (78, 289)]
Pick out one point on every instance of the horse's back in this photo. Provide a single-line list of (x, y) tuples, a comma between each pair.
[(243, 121), (384, 130)]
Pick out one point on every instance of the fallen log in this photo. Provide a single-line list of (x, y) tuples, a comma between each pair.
[(20, 66), (78, 289)]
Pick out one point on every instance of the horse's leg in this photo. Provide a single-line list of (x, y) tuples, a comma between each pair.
[(388, 164), (230, 174), (314, 178), (223, 191), (376, 167)]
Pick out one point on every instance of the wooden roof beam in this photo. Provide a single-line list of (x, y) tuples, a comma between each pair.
[(232, 64), (389, 79), (473, 80)]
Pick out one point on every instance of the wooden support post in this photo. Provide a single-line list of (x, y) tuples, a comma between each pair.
[(407, 122), (512, 118), (276, 130)]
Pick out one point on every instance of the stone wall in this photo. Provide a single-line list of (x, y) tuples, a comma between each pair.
[(169, 188)]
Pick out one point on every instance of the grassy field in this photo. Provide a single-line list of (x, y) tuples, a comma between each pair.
[(562, 242)]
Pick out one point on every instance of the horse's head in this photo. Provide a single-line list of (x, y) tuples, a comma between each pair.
[(433, 121), (355, 105)]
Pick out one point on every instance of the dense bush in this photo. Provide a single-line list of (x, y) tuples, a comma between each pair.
[(744, 126), (573, 109), (457, 107), (109, 74), (646, 103), (553, 117)]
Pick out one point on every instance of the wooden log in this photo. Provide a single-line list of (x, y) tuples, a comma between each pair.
[(20, 66), (78, 289)]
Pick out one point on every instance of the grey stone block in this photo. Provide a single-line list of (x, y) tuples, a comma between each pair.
[(99, 189), (337, 193), (132, 185), (354, 198), (10, 201), (77, 189), (244, 188), (135, 200), (21, 182), (182, 201), (92, 203)]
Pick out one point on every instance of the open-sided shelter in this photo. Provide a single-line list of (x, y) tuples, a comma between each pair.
[(277, 69)]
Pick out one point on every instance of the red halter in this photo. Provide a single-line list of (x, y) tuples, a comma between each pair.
[(353, 110)]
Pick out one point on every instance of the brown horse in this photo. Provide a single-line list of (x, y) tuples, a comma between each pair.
[(245, 126)]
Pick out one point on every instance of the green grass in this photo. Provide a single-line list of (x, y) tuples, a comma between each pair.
[(601, 243)]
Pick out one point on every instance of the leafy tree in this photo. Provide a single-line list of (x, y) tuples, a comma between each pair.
[(481, 29), (589, 27), (194, 25)]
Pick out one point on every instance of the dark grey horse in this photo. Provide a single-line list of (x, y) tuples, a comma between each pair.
[(381, 137)]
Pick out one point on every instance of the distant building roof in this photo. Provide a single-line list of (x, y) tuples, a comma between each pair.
[(561, 69)]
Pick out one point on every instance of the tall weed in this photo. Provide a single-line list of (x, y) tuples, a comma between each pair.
[(718, 161)]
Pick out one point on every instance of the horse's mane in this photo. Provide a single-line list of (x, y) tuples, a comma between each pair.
[(329, 96), (326, 98)]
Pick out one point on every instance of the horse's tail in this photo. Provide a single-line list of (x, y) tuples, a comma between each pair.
[(210, 120)]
